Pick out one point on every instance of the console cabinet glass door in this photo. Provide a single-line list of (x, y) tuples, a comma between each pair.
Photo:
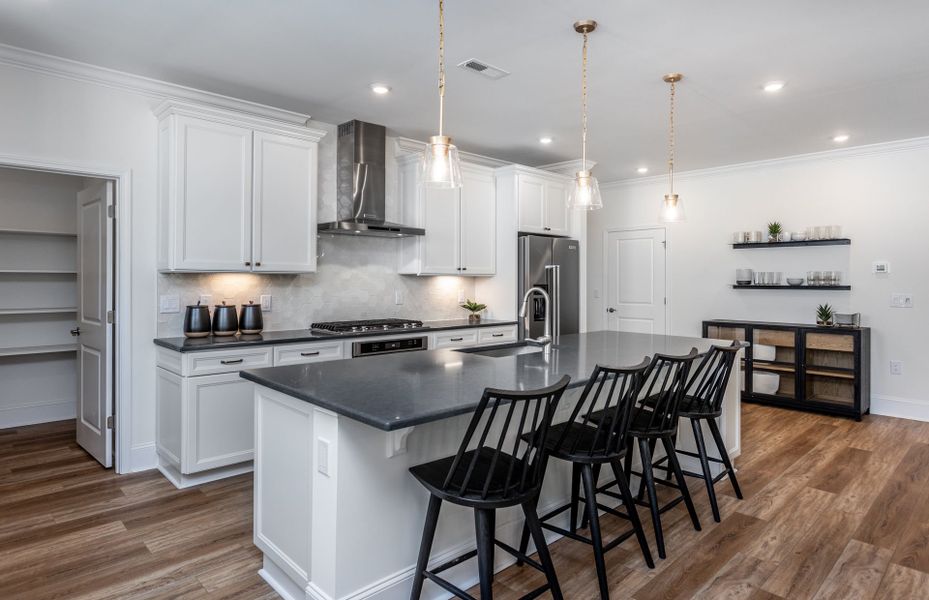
[(730, 333), (829, 374), (774, 362)]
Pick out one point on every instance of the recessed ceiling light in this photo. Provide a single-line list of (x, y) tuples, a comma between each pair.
[(545, 140), (642, 170), (380, 88), (774, 86), (842, 137)]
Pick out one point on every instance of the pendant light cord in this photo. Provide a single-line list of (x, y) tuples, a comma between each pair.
[(671, 141), (441, 65), (584, 105)]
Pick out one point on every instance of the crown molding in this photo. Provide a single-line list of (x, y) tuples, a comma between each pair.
[(201, 111), (411, 146), (878, 149), (78, 71), (568, 167)]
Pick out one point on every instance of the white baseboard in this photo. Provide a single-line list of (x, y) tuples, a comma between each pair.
[(143, 458), (33, 414), (903, 408), (181, 480)]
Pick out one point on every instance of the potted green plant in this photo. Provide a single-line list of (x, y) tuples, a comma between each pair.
[(475, 308), (774, 231), (824, 315)]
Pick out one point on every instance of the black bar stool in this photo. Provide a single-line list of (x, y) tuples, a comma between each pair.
[(654, 418), (703, 401), (587, 443), (495, 467)]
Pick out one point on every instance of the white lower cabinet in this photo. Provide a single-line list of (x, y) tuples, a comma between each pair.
[(219, 422)]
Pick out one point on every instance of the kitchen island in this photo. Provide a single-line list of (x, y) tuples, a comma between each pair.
[(337, 515)]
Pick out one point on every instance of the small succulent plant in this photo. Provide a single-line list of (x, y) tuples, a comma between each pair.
[(775, 229), (824, 314), (473, 307)]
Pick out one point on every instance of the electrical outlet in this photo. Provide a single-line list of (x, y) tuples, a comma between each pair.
[(322, 456), (398, 297), (896, 367), (461, 295), (901, 300), (206, 299), (169, 303), (265, 302)]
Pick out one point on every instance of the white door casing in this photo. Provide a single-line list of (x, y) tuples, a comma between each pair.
[(94, 301), (635, 280)]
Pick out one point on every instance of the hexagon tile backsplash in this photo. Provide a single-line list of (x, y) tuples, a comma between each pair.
[(356, 279)]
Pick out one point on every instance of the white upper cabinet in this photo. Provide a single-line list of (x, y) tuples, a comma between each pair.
[(236, 193), (478, 214), (542, 200), (460, 224), (284, 204)]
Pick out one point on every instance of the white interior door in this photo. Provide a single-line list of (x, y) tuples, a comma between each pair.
[(635, 280), (94, 300)]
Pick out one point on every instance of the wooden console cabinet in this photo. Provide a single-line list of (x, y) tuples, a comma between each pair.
[(821, 369)]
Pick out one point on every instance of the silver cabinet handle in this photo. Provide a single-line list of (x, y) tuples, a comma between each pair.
[(497, 334), (76, 331), (232, 362), (461, 339), (310, 353)]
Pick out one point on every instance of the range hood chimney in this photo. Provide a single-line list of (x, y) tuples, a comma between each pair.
[(360, 176)]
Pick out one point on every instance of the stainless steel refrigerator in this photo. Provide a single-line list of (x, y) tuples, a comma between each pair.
[(552, 264)]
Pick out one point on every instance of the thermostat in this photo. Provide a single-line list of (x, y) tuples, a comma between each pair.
[(881, 267)]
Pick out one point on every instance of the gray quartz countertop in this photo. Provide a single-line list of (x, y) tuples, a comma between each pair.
[(182, 344), (394, 391)]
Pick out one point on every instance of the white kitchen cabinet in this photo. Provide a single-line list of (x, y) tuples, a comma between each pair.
[(454, 339), (460, 224), (541, 198), (219, 413), (235, 193)]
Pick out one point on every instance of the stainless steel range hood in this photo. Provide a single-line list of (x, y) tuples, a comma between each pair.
[(360, 178)]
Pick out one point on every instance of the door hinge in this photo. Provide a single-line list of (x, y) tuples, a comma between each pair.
[(666, 301), (109, 422), (110, 317), (111, 211), (665, 244)]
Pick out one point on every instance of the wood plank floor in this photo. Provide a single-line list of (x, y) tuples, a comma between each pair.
[(833, 509)]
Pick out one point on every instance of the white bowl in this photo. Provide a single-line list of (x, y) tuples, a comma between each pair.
[(795, 281), (798, 237)]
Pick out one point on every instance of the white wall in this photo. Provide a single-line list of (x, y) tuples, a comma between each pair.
[(875, 193)]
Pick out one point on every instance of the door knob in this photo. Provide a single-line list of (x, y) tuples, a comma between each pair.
[(76, 331), (611, 310)]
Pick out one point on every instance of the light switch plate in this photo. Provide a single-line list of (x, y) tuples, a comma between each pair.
[(901, 300), (206, 299), (461, 296), (169, 303), (896, 367), (398, 297), (265, 302)]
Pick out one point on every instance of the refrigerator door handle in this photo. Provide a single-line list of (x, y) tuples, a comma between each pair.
[(553, 275)]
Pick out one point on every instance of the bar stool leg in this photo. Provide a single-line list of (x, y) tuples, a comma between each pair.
[(590, 494), (524, 538), (681, 482), (705, 465), (585, 516), (484, 527), (721, 446), (649, 479), (532, 522), (425, 547), (575, 495), (629, 503)]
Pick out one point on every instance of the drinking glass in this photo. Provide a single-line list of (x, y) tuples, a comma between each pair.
[(778, 277), (835, 232)]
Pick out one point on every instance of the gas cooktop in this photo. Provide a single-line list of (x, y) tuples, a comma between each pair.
[(366, 326)]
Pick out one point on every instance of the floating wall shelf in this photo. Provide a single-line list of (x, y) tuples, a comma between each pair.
[(753, 245), (792, 287)]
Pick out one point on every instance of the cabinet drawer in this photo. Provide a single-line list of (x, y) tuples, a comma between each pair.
[(227, 361), (455, 339), (496, 335), (295, 354)]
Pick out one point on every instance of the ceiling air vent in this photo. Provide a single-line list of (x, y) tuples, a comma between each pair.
[(482, 68)]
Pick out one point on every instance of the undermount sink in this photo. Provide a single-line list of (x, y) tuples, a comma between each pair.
[(503, 350)]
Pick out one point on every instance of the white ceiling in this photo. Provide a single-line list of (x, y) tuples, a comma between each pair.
[(852, 66)]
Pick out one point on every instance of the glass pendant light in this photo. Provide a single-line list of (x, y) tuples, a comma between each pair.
[(672, 207), (585, 193), (441, 167)]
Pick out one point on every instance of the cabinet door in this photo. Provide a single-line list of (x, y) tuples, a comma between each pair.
[(213, 196), (284, 204), (440, 245), (454, 339), (830, 373), (530, 193), (556, 218), (478, 223), (220, 422)]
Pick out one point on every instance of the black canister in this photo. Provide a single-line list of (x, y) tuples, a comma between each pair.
[(225, 321), (197, 321), (250, 319)]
